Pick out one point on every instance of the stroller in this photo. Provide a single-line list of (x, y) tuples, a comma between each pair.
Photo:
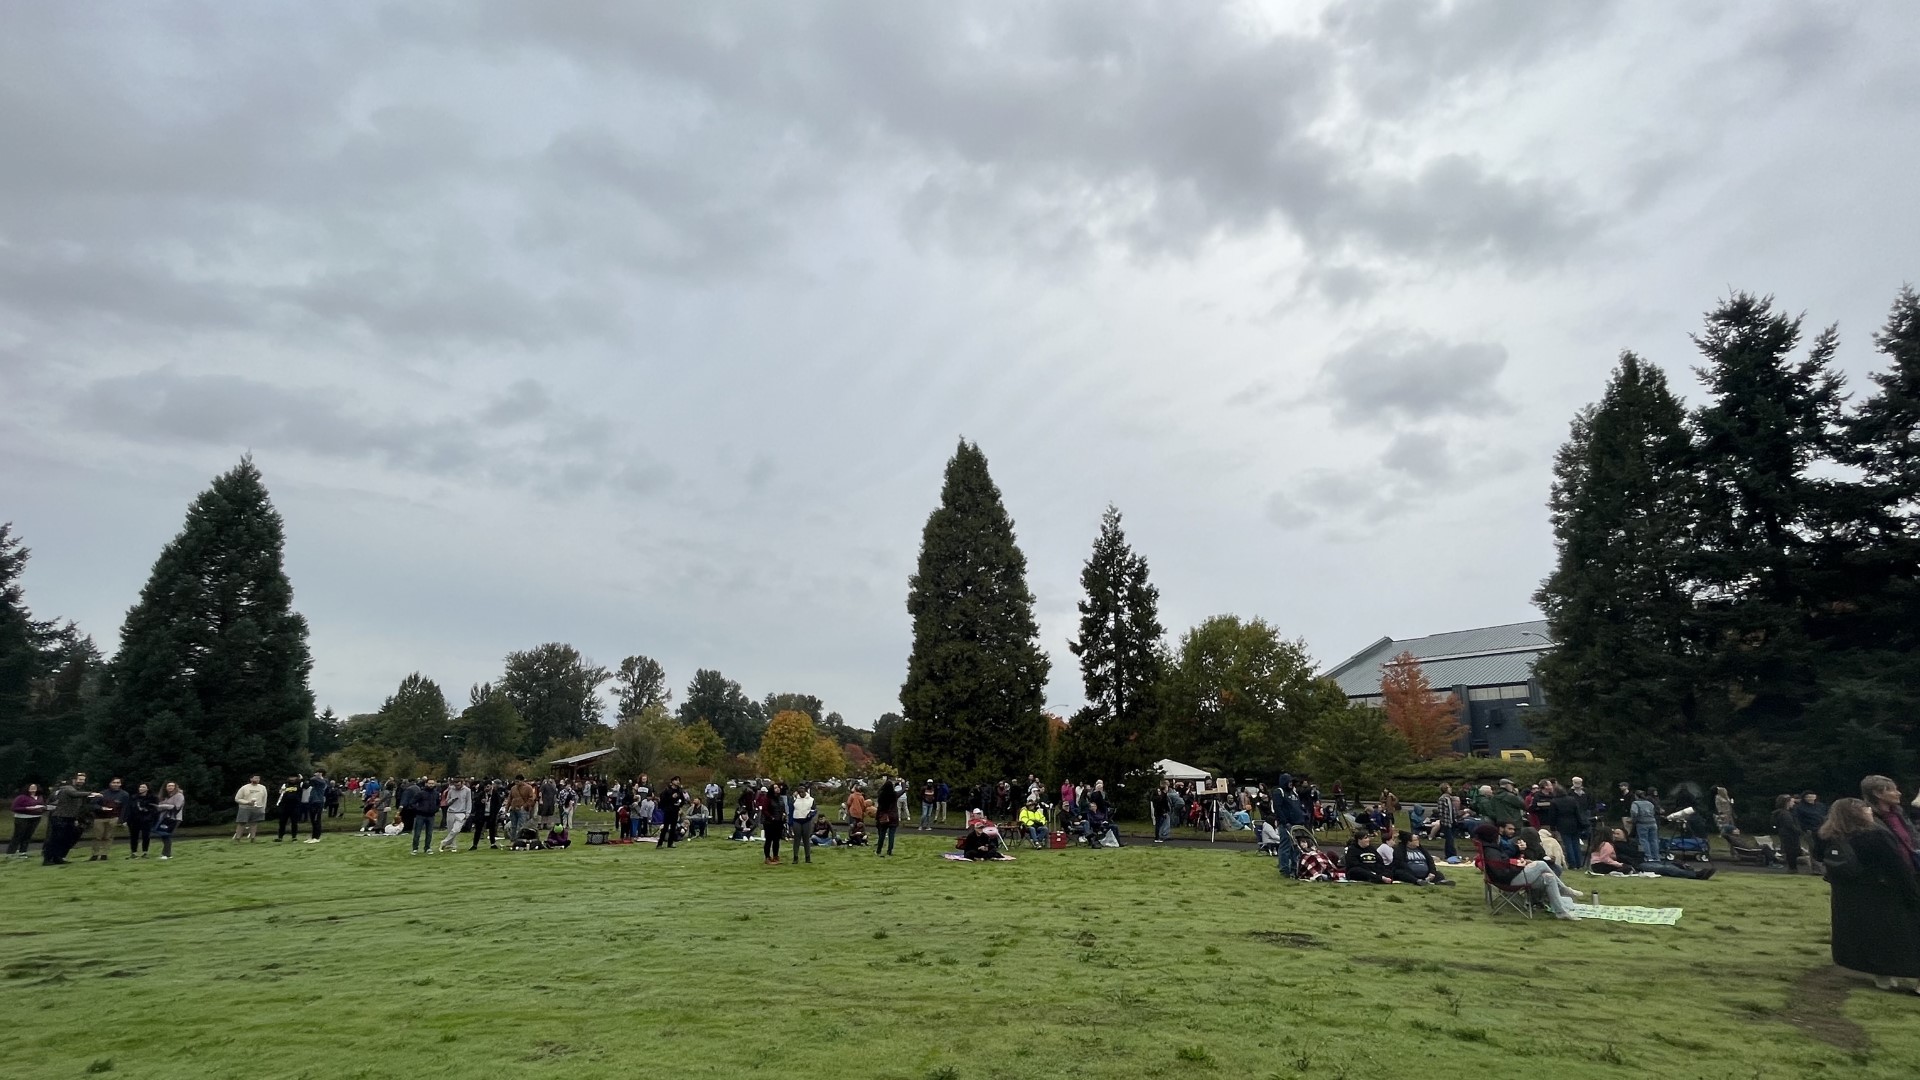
[(1313, 864), (527, 839)]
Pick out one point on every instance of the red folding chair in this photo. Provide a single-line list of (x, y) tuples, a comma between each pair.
[(1501, 896)]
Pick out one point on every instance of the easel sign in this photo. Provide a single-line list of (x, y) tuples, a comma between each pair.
[(1211, 787)]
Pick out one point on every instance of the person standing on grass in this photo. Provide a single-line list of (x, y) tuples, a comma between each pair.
[(110, 807), (1811, 814), (1645, 817), (1883, 796), (1787, 827), (1875, 896), (250, 808), (65, 824), (772, 805), (672, 801), (459, 808), (28, 809), (549, 803), (487, 805), (800, 823), (143, 811), (886, 817), (314, 802), (425, 800), (1567, 821), (333, 800), (520, 802), (172, 811), (286, 809)]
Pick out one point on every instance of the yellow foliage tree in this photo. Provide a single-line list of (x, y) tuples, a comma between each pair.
[(793, 750)]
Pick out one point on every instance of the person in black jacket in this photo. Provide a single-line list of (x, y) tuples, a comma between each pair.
[(671, 800), (1362, 861), (1569, 822), (288, 810), (1876, 898), (486, 811), (142, 811), (424, 800), (1787, 826)]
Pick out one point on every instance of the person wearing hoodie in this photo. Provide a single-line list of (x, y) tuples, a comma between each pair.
[(886, 817), (459, 809), (1362, 861)]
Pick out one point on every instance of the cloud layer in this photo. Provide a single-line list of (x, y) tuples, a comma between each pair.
[(650, 328)]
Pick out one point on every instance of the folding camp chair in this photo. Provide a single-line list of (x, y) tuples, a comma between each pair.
[(1500, 896)]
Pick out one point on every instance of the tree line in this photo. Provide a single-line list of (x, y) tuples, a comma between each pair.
[(1737, 591), (210, 684), (1232, 695)]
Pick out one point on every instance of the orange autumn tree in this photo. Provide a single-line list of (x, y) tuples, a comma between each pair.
[(1429, 722)]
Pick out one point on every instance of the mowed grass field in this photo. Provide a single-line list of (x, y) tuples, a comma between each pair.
[(350, 958)]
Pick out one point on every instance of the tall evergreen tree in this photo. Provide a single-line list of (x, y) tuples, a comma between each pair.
[(1618, 602), (1867, 626), (556, 691), (210, 683), (976, 678), (415, 718), (32, 741), (1761, 441), (1122, 661), (719, 701)]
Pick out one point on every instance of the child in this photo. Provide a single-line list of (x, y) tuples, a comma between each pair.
[(557, 837), (857, 833)]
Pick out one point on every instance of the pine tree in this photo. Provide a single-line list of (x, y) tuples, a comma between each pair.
[(1618, 603), (30, 742), (210, 683), (976, 677), (1122, 661), (1770, 425), (1868, 623)]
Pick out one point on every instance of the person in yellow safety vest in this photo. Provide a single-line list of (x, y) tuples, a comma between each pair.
[(1033, 821)]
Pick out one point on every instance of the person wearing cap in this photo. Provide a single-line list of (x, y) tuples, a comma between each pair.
[(1033, 821), (929, 801)]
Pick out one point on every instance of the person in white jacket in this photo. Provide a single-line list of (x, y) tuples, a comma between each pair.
[(459, 809)]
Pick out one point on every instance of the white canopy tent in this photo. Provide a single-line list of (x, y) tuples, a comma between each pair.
[(1173, 770)]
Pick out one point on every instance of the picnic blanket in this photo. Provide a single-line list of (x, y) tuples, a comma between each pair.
[(955, 856), (1645, 916)]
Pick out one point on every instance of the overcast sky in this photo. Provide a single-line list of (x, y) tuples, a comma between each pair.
[(650, 328)]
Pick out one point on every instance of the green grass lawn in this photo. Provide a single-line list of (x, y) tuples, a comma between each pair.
[(349, 958)]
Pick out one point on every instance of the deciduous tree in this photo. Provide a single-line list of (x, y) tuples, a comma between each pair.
[(556, 691), (1428, 723)]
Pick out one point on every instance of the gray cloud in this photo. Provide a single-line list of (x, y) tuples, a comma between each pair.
[(518, 438), (1422, 455), (1409, 375)]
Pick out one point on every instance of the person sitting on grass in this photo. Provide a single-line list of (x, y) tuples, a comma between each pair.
[(557, 837), (1629, 853), (1604, 859), (696, 819), (742, 821), (1414, 866), (1363, 862), (1537, 877), (1538, 844), (1033, 821), (823, 833), (977, 843), (856, 833), (1388, 845)]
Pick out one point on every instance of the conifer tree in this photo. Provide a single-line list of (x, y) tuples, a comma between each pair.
[(720, 702), (976, 678), (415, 718), (1618, 602), (210, 683), (556, 691), (1122, 661), (30, 744), (1770, 423)]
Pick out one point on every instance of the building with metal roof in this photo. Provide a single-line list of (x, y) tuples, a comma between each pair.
[(1490, 671)]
